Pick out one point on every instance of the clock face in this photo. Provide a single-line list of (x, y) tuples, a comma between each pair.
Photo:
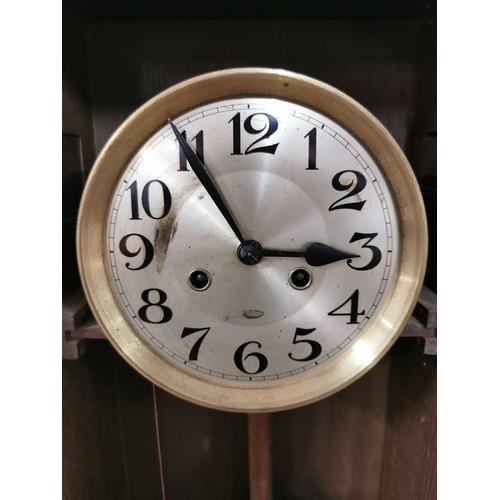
[(276, 283), (290, 177)]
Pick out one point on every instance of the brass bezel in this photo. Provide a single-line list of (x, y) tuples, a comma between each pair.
[(276, 395)]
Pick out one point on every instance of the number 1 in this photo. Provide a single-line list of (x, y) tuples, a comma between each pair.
[(198, 138), (311, 160)]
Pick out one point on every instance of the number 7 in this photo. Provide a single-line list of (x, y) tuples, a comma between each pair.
[(193, 354)]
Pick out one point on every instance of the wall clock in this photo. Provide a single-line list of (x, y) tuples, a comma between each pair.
[(252, 240)]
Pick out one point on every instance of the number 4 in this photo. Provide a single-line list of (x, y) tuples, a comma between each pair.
[(353, 313)]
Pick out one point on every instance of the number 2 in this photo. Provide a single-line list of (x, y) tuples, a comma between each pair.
[(357, 186)]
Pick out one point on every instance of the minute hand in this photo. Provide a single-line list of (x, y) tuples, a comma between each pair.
[(316, 254), (204, 177)]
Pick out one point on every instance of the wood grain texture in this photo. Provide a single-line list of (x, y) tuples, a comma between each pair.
[(204, 451), (92, 455), (129, 64), (259, 456), (410, 446), (136, 420), (333, 449), (76, 99), (78, 150)]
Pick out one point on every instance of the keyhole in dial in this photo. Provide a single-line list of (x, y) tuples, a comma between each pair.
[(199, 279), (300, 278)]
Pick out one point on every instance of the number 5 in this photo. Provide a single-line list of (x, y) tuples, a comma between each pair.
[(315, 346)]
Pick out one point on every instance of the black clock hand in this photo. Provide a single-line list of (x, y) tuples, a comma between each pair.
[(204, 177), (316, 254)]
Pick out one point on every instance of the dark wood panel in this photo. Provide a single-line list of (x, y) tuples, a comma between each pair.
[(260, 467), (410, 450), (204, 451), (76, 101), (153, 10), (92, 453), (333, 449), (373, 61), (136, 405), (72, 181), (78, 150)]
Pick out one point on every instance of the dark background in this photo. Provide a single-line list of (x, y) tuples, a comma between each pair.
[(124, 438)]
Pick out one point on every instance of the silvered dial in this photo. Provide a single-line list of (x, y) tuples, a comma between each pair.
[(284, 284)]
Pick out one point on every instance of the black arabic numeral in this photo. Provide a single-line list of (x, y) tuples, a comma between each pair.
[(311, 158), (134, 201), (167, 199), (376, 253), (353, 310), (146, 245), (236, 119), (146, 200), (271, 126), (359, 184), (193, 354), (238, 358), (162, 298), (198, 138), (315, 346)]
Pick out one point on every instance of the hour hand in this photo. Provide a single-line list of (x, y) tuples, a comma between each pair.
[(316, 254), (203, 175)]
